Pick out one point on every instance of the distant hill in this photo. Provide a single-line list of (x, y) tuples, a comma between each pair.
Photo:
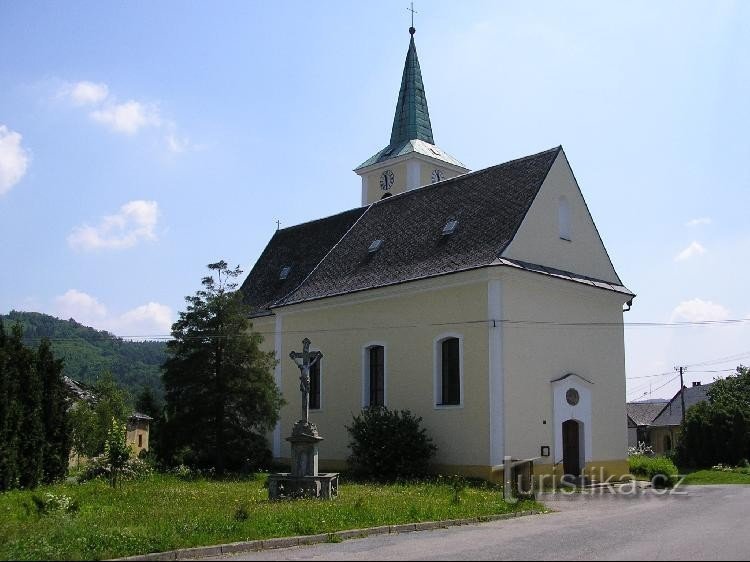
[(88, 352)]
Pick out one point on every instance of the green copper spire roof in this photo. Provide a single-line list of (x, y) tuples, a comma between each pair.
[(412, 119)]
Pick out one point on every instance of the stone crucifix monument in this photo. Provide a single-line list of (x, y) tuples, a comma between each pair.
[(304, 480)]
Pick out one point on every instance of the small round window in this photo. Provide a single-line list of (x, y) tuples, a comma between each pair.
[(572, 396)]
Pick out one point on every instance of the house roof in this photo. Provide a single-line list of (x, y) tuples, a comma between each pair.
[(644, 413), (300, 248), (489, 205), (671, 414), (330, 257)]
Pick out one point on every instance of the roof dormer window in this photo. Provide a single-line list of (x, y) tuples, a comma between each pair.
[(375, 246), (450, 227), (284, 273)]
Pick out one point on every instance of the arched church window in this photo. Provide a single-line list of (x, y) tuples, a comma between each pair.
[(563, 218), (375, 376), (315, 386), (386, 195), (449, 372)]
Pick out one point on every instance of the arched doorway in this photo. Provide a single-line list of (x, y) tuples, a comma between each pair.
[(571, 441)]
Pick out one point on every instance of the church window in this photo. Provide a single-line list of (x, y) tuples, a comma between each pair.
[(448, 383), (387, 195), (563, 218), (315, 386), (374, 394)]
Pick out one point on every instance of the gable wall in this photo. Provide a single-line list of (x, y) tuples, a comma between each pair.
[(538, 239), (536, 354)]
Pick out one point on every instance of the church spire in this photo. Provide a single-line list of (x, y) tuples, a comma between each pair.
[(412, 119)]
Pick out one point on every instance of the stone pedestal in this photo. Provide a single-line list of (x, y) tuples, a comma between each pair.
[(304, 481)]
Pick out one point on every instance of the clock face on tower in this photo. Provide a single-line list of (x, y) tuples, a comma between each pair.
[(438, 175), (386, 180)]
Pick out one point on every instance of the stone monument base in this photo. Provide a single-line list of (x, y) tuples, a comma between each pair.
[(284, 485), (303, 481)]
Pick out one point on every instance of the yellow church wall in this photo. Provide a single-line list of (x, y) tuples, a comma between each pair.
[(538, 239), (535, 354), (402, 319)]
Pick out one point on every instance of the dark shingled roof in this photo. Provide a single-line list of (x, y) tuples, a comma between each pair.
[(302, 247), (672, 412), (489, 205), (644, 413)]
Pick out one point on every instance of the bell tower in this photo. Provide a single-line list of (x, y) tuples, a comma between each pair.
[(411, 159)]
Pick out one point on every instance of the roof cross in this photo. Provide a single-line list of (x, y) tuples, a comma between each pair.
[(411, 29)]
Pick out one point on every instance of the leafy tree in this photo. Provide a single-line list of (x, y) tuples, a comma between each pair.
[(718, 430), (91, 422), (220, 394), (111, 401), (116, 451), (84, 432)]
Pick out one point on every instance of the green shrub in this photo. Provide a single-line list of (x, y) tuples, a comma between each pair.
[(389, 445), (659, 470)]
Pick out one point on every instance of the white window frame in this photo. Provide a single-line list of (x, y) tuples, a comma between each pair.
[(366, 372), (437, 369)]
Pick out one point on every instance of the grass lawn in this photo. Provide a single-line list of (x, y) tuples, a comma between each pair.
[(735, 476), (165, 512)]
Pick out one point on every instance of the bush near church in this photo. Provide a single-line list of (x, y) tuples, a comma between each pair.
[(659, 470), (718, 431), (389, 445)]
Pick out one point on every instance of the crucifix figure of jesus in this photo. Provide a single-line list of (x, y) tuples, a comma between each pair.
[(308, 360)]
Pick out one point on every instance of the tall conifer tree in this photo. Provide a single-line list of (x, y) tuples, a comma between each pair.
[(57, 438), (220, 392)]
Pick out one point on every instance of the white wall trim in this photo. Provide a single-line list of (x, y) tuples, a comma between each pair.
[(496, 374), (581, 412), (366, 372), (277, 341), (437, 370), (413, 174), (364, 190)]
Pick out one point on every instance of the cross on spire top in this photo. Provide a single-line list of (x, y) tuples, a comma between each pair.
[(411, 29)]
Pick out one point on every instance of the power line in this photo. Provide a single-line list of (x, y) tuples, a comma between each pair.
[(505, 322)]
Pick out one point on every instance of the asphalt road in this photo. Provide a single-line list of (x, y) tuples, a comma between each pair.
[(709, 523)]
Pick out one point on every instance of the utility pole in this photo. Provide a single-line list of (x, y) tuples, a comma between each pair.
[(682, 390)]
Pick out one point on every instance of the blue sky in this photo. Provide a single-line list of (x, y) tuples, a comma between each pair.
[(140, 141)]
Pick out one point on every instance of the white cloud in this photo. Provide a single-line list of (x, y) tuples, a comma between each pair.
[(146, 320), (87, 93), (82, 307), (697, 310), (14, 159), (136, 221), (698, 222), (694, 249), (177, 144), (128, 117)]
